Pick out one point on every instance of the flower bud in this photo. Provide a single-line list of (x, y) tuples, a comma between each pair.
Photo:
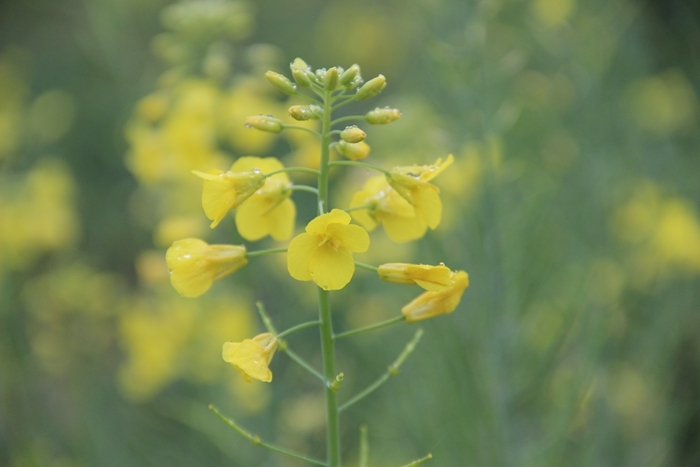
[(301, 72), (382, 116), (349, 75), (330, 80), (353, 151), (281, 83), (305, 112), (264, 123), (352, 134), (371, 88)]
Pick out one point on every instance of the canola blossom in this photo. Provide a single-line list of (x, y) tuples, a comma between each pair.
[(324, 252), (434, 303), (413, 183), (429, 277), (194, 265), (252, 356), (386, 207), (270, 210)]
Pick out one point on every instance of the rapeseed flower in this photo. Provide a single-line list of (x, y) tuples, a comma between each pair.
[(387, 207), (432, 278), (194, 265), (324, 252), (225, 191), (433, 303), (413, 183), (270, 210), (252, 356)]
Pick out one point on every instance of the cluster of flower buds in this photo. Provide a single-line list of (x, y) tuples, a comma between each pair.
[(331, 79)]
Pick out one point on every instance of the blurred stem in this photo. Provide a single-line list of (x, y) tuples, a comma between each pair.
[(368, 267), (253, 254), (419, 461), (255, 439), (298, 327), (393, 370), (345, 102), (371, 327), (361, 164), (299, 127), (310, 189), (300, 361), (349, 118), (364, 446)]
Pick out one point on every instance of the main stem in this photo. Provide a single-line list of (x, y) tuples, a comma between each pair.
[(324, 308)]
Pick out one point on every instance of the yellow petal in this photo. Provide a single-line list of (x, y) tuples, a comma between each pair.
[(265, 165), (248, 357), (429, 204), (336, 216), (352, 237), (331, 269), (299, 253), (249, 220), (280, 220), (218, 196), (403, 229), (362, 216)]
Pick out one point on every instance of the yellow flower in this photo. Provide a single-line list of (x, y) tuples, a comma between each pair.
[(386, 207), (269, 211), (252, 356), (225, 191), (434, 303), (324, 253), (432, 278), (412, 182), (194, 265)]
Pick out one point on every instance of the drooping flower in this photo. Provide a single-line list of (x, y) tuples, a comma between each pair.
[(252, 356), (324, 252), (433, 303), (413, 183), (386, 207), (431, 278), (270, 210), (224, 191), (194, 265)]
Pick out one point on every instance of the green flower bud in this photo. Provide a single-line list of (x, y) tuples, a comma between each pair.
[(330, 80), (281, 83), (349, 75), (382, 116), (353, 151), (301, 72), (371, 88), (352, 134), (305, 112), (264, 123)]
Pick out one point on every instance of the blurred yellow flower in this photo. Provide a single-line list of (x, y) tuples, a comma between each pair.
[(269, 211), (324, 253), (434, 303), (194, 265), (225, 191), (429, 277), (412, 182), (252, 356), (386, 207)]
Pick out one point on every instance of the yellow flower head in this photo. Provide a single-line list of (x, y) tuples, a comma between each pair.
[(225, 191), (324, 253), (413, 183), (270, 210), (386, 207), (194, 265), (432, 278), (440, 302), (252, 356)]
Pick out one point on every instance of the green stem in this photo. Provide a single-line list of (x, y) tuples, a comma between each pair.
[(299, 127), (359, 208), (253, 254), (292, 169), (371, 327), (364, 446), (345, 102), (349, 118), (368, 267), (306, 96), (392, 370), (255, 439), (360, 164), (419, 461), (301, 362), (328, 353), (296, 328), (310, 189)]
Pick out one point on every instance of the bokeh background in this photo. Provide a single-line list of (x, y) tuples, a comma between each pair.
[(574, 204)]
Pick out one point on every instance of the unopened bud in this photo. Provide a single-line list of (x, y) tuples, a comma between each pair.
[(305, 112), (352, 134), (382, 116), (349, 75), (264, 123), (371, 88), (281, 83), (330, 81), (301, 72), (353, 151)]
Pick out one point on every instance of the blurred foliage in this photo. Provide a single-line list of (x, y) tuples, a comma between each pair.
[(573, 203)]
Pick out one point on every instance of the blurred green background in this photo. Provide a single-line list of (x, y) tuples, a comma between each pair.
[(574, 204)]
